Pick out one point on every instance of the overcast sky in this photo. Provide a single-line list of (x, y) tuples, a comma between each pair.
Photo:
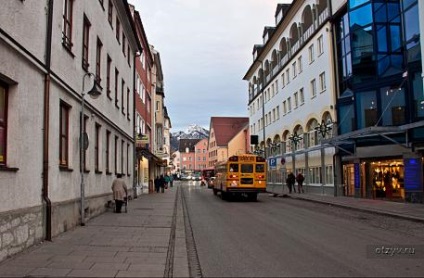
[(206, 49)]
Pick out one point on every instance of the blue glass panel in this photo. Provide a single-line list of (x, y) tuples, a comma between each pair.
[(393, 10), (417, 86), (347, 45), (395, 38), (349, 64), (412, 30), (393, 106), (380, 14), (355, 3), (361, 17), (407, 3), (383, 64), (397, 61), (346, 117), (365, 103), (382, 38)]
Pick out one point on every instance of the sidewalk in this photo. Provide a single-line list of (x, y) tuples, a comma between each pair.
[(403, 210), (148, 241)]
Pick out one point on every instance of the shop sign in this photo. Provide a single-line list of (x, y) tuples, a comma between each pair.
[(357, 176), (412, 174)]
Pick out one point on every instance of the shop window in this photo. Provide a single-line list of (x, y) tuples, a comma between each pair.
[(388, 177), (370, 117)]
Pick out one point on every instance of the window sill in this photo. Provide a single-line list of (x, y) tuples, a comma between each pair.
[(68, 49), (4, 168), (108, 173), (86, 171), (98, 172), (65, 168), (108, 94)]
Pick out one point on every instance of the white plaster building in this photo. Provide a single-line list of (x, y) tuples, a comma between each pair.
[(51, 52), (292, 94)]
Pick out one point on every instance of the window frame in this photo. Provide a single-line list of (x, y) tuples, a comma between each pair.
[(99, 61), (64, 111), (67, 16), (3, 124), (85, 43)]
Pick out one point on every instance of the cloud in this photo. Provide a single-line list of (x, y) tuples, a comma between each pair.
[(206, 49)]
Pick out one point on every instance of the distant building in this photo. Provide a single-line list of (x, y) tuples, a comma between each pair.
[(201, 155), (240, 143), (187, 155), (221, 131)]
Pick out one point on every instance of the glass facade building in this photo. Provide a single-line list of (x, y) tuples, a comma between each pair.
[(380, 101)]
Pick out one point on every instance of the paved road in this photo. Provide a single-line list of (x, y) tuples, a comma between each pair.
[(285, 237)]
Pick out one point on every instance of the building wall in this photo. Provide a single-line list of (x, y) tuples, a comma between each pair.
[(201, 154), (240, 143), (23, 66), (274, 105)]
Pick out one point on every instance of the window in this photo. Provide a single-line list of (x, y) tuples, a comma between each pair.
[(294, 70), (122, 156), (85, 151), (128, 103), (85, 42), (313, 88), (97, 148), (128, 55), (128, 159), (98, 60), (311, 54), (296, 100), (64, 135), (320, 45), (301, 96), (122, 96), (116, 87), (322, 85), (109, 65), (3, 125), (107, 164), (67, 24), (110, 12), (289, 107), (299, 64), (118, 29), (284, 107), (124, 46), (116, 154), (283, 80), (278, 112), (288, 76)]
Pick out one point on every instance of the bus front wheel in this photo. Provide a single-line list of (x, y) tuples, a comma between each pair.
[(215, 191), (252, 197)]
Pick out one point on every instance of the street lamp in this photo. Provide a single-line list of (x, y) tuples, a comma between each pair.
[(94, 93), (324, 128), (295, 139)]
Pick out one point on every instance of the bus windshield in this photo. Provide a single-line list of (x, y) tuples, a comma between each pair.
[(246, 168)]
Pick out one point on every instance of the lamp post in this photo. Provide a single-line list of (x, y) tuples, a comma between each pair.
[(295, 139), (324, 128), (94, 93)]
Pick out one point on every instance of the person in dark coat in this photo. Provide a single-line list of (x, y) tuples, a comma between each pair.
[(300, 178), (162, 183), (157, 184), (290, 180)]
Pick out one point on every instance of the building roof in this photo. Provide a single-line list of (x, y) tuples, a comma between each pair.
[(225, 128), (187, 143)]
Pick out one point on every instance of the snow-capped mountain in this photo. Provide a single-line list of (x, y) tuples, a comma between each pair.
[(191, 132)]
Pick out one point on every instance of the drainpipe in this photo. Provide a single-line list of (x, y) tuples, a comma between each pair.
[(46, 122)]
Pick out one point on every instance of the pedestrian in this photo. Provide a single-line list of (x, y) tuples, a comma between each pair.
[(290, 180), (167, 180), (162, 183), (157, 184), (120, 192), (171, 180), (300, 178)]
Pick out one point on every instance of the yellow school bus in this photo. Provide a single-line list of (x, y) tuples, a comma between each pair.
[(241, 175)]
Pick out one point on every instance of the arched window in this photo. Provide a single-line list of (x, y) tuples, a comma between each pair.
[(312, 136)]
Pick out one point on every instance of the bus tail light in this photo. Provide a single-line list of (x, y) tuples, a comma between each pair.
[(233, 177), (261, 176)]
